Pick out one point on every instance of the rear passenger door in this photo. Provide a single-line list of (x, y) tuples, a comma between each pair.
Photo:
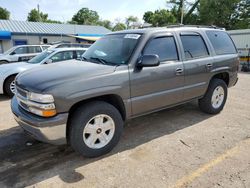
[(154, 88), (197, 63)]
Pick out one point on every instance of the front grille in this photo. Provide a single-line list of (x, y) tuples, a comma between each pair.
[(22, 97), (21, 92)]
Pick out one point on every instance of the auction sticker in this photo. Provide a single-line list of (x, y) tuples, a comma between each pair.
[(132, 36)]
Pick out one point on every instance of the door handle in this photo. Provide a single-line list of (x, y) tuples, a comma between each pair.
[(179, 71), (209, 65)]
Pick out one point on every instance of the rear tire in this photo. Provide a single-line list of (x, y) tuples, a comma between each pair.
[(9, 87), (3, 62), (95, 129), (215, 98)]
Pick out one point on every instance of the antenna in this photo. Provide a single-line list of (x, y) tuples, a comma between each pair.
[(38, 9)]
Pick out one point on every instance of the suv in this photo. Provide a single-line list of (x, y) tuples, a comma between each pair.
[(21, 53), (8, 72), (126, 74)]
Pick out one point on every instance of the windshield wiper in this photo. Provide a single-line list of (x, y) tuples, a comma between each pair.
[(100, 60)]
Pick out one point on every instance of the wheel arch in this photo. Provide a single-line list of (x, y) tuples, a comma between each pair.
[(112, 99), (6, 78), (223, 76)]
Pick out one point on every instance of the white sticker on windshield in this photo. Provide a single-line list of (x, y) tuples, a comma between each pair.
[(132, 36)]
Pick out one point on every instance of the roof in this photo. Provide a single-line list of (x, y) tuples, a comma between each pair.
[(50, 28), (239, 31)]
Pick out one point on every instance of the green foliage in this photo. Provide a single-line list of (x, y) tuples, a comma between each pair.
[(4, 14), (35, 16), (130, 21), (119, 26), (160, 17), (86, 16), (230, 14), (105, 23)]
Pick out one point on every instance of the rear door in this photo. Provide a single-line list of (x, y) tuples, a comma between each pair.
[(154, 88), (198, 63)]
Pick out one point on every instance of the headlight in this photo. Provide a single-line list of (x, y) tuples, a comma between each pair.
[(41, 104), (41, 98)]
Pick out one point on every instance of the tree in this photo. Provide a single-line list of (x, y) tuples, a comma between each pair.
[(186, 7), (105, 23), (86, 16), (159, 18), (4, 14), (119, 26), (130, 21), (35, 16), (230, 14)]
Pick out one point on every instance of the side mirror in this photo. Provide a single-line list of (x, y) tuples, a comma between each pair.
[(149, 61), (49, 61)]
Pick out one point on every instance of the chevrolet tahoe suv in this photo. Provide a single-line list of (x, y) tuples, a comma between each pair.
[(124, 75)]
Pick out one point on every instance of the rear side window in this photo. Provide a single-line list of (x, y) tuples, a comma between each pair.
[(194, 46), (164, 47), (221, 42), (34, 49)]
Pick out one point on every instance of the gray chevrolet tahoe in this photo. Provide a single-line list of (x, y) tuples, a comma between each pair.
[(124, 75)]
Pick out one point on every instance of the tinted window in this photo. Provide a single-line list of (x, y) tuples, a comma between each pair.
[(21, 50), (164, 47), (79, 53), (34, 49), (45, 47), (221, 42), (194, 46), (62, 56)]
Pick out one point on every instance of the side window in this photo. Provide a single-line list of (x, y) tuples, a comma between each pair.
[(194, 46), (164, 47), (34, 49), (45, 47), (79, 53), (62, 56), (21, 50), (221, 42)]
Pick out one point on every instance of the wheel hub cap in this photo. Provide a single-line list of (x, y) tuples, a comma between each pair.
[(99, 131), (218, 97)]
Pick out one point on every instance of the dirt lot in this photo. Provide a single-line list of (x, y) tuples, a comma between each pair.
[(179, 147)]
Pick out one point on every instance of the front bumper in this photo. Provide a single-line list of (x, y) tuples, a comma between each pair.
[(50, 130)]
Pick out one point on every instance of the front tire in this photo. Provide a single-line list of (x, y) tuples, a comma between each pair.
[(95, 129), (9, 86), (215, 98)]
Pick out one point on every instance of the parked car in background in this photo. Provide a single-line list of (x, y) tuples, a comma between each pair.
[(70, 45), (126, 74), (21, 53), (8, 72)]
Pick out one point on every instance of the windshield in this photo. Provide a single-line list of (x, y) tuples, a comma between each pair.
[(40, 57), (9, 51), (112, 49)]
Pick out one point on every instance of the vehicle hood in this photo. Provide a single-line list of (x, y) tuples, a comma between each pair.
[(17, 66), (43, 77)]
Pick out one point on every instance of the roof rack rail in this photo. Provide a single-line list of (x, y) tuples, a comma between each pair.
[(197, 26)]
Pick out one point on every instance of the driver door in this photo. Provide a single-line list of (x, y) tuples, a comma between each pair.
[(153, 88)]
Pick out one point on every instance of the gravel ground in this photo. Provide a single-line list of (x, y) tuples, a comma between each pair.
[(178, 147)]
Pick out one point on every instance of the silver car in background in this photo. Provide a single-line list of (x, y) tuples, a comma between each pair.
[(8, 72), (21, 53)]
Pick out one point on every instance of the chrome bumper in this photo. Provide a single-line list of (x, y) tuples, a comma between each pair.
[(50, 130)]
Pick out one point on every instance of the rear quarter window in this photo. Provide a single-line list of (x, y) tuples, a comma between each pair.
[(221, 42)]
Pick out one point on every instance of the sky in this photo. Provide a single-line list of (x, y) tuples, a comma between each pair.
[(63, 10)]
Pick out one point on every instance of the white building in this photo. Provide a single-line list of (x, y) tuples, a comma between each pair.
[(22, 32), (241, 39)]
